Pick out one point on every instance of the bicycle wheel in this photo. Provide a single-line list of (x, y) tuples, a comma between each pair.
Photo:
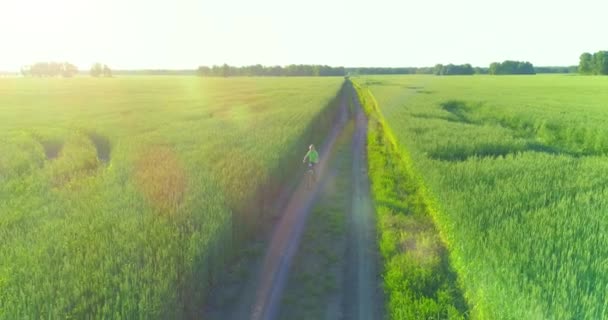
[(309, 178)]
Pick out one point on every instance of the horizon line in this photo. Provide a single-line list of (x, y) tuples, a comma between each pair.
[(17, 71)]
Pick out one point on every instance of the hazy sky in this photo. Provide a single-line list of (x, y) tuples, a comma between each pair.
[(189, 33)]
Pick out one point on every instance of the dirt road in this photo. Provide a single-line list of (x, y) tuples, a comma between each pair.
[(359, 294), (364, 296), (287, 234)]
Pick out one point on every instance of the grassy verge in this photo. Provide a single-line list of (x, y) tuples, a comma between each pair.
[(314, 286), (418, 280)]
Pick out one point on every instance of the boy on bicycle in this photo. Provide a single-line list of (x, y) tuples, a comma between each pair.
[(313, 157)]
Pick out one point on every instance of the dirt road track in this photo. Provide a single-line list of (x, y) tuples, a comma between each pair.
[(362, 292), (361, 296), (288, 231)]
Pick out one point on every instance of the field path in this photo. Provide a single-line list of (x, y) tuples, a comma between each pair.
[(363, 296), (287, 233), (363, 299), (358, 294)]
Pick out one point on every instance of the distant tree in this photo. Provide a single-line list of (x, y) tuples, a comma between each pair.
[(339, 71), (258, 70), (377, 70), (511, 67), (291, 70), (276, 71), (96, 70), (204, 71), (467, 69), (316, 71), (568, 69), (438, 69), (39, 69), (424, 70), (524, 68), (596, 63), (452, 69), (49, 69), (600, 62), (493, 69), (54, 69), (25, 71), (100, 70), (479, 70), (107, 72), (225, 70), (68, 70), (585, 65)]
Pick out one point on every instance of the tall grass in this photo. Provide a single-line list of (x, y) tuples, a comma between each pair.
[(515, 167), (418, 279), (125, 197)]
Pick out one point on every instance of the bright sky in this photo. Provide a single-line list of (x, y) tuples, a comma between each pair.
[(187, 33)]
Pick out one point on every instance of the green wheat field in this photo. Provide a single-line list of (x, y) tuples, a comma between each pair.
[(127, 197), (514, 170), (120, 198)]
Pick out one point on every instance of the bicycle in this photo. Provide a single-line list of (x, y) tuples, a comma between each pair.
[(310, 176), (313, 157)]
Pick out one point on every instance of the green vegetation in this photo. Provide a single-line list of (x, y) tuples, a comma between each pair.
[(292, 70), (596, 63), (50, 69), (418, 280), (514, 169), (379, 70), (98, 70), (451, 69), (568, 69), (511, 67), (125, 197)]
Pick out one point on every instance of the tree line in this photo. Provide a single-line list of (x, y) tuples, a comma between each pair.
[(63, 69), (511, 67), (506, 67), (589, 64), (50, 69), (383, 70), (99, 70), (452, 69), (156, 72), (596, 63), (293, 70), (568, 69)]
